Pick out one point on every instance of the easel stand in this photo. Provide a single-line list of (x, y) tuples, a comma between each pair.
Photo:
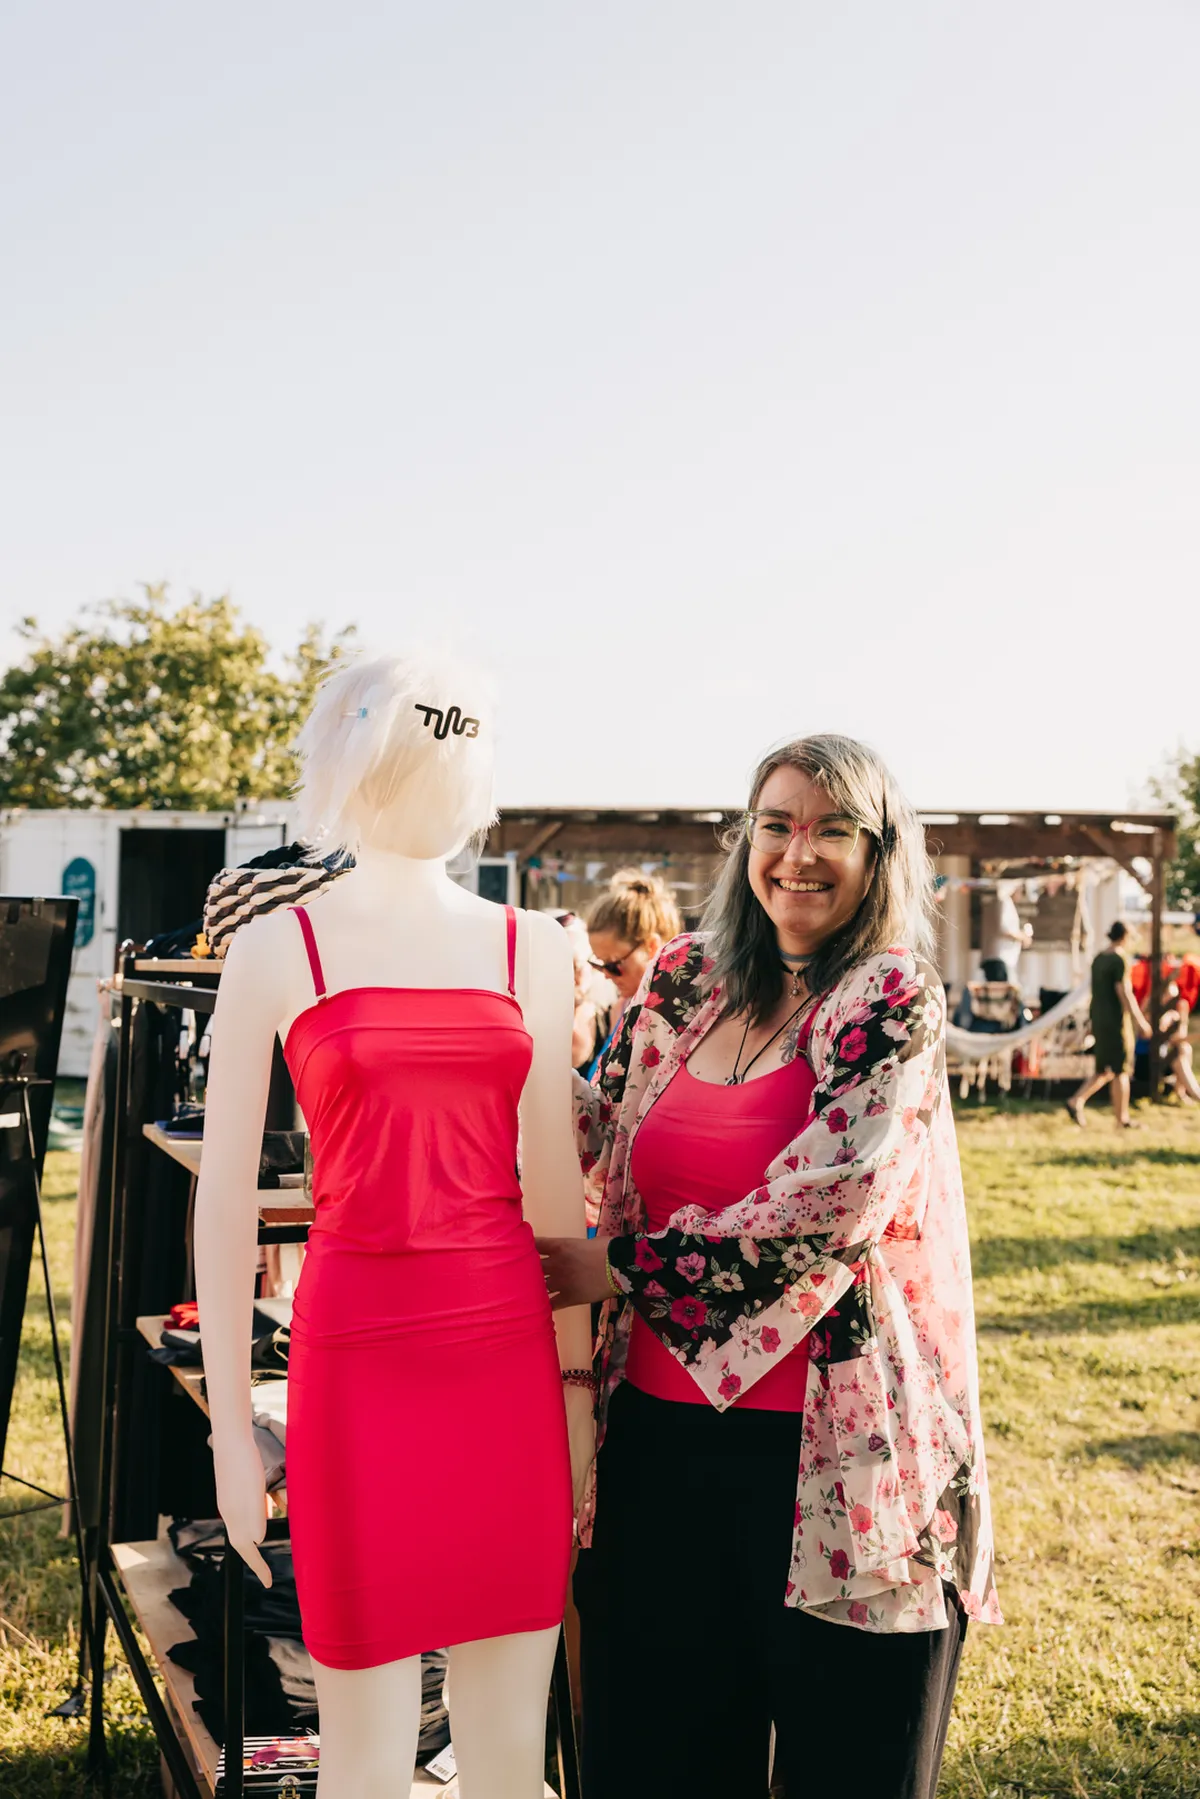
[(72, 1706)]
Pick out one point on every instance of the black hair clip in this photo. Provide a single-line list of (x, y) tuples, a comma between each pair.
[(451, 720)]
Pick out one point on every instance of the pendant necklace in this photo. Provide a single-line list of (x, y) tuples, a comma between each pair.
[(794, 966), (735, 1079)]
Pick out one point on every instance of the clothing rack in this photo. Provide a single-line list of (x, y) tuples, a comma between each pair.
[(129, 1582)]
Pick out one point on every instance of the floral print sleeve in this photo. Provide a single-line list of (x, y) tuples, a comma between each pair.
[(796, 1247)]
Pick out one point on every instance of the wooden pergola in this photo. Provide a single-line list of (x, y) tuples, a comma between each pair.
[(1126, 838)]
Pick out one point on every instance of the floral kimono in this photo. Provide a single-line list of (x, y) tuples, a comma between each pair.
[(857, 1239)]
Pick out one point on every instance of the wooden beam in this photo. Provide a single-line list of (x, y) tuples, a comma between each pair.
[(1107, 848), (540, 838)]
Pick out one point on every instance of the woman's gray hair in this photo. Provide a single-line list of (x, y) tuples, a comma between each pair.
[(896, 909)]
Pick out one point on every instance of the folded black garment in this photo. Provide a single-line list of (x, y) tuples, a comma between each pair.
[(178, 1349), (188, 1121), (269, 1355), (281, 1695), (282, 1153), (185, 1349), (272, 1611)]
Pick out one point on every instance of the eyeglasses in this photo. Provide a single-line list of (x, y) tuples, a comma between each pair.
[(612, 969), (832, 837)]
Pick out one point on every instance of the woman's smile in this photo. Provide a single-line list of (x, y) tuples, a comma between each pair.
[(806, 896)]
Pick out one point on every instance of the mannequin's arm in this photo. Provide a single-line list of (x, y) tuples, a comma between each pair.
[(550, 1174), (248, 1009)]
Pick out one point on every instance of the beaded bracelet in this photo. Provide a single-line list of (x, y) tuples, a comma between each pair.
[(580, 1377)]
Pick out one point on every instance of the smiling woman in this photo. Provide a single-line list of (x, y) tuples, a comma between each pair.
[(790, 1409)]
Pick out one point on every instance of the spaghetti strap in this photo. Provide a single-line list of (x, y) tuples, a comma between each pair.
[(511, 920), (310, 944)]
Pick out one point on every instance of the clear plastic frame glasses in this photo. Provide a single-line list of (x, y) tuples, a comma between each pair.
[(833, 837)]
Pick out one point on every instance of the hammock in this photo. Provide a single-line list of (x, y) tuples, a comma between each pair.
[(978, 1046)]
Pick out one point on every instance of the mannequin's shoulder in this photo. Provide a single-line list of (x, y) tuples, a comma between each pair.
[(264, 958), (544, 950), (548, 943)]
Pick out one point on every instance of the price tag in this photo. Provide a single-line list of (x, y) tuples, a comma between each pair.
[(443, 1767)]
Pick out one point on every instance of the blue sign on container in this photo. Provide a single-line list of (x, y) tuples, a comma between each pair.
[(79, 882)]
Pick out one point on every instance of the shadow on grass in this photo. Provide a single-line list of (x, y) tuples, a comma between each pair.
[(60, 1773), (1100, 1317), (1153, 1759), (1120, 1154), (1142, 1452), (1000, 1255)]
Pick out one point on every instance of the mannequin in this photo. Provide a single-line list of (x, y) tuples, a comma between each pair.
[(399, 932)]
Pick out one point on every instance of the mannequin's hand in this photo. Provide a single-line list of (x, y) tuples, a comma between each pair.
[(581, 1435), (574, 1268), (242, 1502)]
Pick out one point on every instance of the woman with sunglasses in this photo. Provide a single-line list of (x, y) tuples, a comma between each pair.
[(627, 926), (790, 1520)]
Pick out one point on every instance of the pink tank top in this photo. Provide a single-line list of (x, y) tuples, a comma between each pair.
[(709, 1145)]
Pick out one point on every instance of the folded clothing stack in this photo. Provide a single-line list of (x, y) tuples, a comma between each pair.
[(180, 1343), (281, 1699), (281, 1695)]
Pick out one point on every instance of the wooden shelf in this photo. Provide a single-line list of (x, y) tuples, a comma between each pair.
[(276, 1205), (190, 1378), (193, 965), (149, 1572)]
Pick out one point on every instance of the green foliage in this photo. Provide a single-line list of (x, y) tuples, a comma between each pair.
[(1179, 788), (144, 703)]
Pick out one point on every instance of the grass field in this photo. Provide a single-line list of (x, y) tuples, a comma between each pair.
[(1087, 1263)]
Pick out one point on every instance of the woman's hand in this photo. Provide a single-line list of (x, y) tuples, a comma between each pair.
[(575, 1269)]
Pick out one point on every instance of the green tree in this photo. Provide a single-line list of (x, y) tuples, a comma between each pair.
[(147, 703), (1179, 788)]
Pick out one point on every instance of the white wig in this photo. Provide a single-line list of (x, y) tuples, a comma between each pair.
[(398, 751)]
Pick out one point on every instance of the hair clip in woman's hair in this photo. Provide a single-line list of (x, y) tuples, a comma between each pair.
[(361, 712)]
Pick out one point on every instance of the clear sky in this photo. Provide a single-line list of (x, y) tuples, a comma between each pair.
[(713, 371)]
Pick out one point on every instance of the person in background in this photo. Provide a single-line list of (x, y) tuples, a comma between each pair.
[(595, 1001), (1174, 1046), (790, 1522), (627, 925), (1115, 1016), (1012, 935), (1179, 1048)]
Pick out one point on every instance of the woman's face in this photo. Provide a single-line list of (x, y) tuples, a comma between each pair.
[(627, 961), (806, 896)]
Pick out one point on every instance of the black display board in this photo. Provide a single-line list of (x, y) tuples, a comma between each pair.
[(36, 939)]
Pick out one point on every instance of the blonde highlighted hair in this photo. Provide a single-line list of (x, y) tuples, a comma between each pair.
[(635, 906)]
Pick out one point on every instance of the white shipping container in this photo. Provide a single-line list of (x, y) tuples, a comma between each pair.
[(38, 848)]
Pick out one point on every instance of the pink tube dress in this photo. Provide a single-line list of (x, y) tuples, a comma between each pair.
[(429, 1482)]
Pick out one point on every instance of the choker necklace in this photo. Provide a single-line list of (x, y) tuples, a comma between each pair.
[(794, 966)]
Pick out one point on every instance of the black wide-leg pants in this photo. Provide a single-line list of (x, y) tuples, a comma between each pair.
[(689, 1654)]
